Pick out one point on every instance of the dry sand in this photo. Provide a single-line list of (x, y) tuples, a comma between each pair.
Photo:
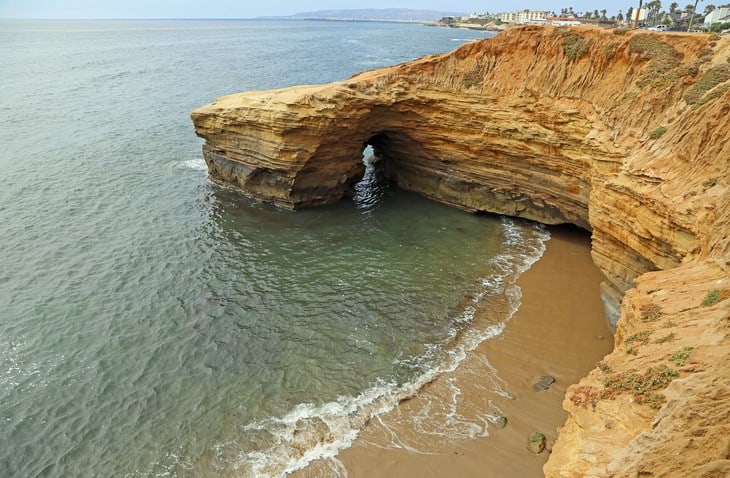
[(448, 429)]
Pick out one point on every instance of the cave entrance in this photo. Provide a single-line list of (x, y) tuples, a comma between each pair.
[(374, 184)]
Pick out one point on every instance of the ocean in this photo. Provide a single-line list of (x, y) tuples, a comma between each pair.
[(155, 324)]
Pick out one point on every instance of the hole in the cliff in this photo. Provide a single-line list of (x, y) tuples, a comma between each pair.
[(373, 184)]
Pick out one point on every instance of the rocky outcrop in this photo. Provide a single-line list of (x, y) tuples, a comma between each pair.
[(659, 404), (626, 134)]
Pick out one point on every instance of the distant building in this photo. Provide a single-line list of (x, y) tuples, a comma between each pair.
[(718, 15), (524, 16), (641, 14), (507, 17), (683, 21)]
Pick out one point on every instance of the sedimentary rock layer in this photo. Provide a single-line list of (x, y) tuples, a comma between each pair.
[(626, 134)]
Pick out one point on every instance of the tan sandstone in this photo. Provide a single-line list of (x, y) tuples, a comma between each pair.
[(625, 134)]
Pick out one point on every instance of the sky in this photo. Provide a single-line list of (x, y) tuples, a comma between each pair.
[(47, 9)]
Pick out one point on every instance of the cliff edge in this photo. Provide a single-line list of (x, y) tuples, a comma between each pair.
[(623, 133)]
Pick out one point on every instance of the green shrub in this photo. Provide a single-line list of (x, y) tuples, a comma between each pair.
[(658, 132), (642, 386), (715, 93), (652, 47), (712, 77), (575, 46), (641, 337), (665, 65), (718, 27), (712, 298), (680, 358)]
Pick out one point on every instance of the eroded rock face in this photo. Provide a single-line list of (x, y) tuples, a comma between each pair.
[(682, 429), (626, 134)]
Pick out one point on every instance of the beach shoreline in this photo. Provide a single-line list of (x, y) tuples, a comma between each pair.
[(558, 331)]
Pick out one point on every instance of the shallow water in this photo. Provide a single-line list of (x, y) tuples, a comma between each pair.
[(153, 324)]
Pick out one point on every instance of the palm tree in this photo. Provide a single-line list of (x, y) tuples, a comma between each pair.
[(709, 8), (691, 11), (673, 7), (654, 6), (603, 14)]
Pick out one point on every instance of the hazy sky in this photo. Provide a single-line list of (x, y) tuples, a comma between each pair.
[(249, 9)]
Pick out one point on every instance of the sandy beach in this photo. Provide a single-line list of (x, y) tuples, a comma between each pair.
[(450, 427)]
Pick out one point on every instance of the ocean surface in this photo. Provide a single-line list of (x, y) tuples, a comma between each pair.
[(154, 324)]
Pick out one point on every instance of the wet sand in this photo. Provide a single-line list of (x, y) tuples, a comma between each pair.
[(449, 428)]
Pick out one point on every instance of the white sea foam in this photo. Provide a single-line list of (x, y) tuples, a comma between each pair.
[(315, 432), (196, 164)]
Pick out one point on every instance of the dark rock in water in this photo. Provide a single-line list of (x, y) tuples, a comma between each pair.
[(500, 422), (536, 442), (543, 384)]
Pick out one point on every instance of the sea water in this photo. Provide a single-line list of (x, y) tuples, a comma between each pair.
[(154, 324)]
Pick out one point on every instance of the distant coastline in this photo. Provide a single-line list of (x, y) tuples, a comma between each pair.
[(391, 15), (351, 20)]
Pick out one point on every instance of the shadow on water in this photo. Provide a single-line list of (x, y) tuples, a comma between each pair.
[(231, 210)]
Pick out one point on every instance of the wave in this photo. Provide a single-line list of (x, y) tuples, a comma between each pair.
[(276, 446)]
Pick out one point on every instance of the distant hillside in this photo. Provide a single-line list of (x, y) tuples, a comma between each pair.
[(386, 14)]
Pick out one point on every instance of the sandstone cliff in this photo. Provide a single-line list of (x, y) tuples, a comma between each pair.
[(626, 134)]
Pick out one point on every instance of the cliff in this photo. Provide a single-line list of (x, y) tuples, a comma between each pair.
[(623, 133)]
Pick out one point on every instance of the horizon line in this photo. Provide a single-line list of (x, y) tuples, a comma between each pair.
[(284, 18)]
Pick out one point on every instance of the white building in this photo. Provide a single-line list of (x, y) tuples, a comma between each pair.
[(640, 13), (507, 17), (718, 15), (524, 16)]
